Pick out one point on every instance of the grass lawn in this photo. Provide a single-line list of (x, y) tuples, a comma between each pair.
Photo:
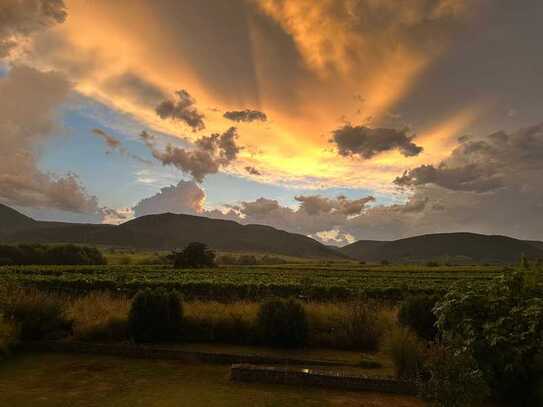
[(47, 380)]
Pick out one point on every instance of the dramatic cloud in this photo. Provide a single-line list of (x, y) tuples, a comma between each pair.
[(182, 109), (186, 197), (28, 105), (471, 177), (488, 185), (209, 155), (368, 142), (113, 143), (21, 18), (316, 204), (318, 216), (484, 164), (246, 116)]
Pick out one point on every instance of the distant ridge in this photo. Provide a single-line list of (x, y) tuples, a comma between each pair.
[(453, 247), (165, 231)]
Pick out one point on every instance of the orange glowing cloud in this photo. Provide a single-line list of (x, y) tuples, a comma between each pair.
[(301, 62)]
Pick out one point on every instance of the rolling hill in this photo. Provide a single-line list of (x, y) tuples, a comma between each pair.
[(453, 247), (164, 231)]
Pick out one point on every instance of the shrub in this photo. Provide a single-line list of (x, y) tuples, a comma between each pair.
[(406, 352), (195, 255), (282, 323), (155, 315), (417, 313), (8, 336), (37, 315), (451, 379), (501, 325)]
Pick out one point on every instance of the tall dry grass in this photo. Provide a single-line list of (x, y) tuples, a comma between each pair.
[(102, 316), (99, 316), (357, 325), (37, 315)]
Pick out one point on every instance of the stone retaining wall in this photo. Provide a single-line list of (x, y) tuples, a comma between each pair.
[(163, 352), (313, 377)]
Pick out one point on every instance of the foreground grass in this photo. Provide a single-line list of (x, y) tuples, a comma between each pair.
[(47, 380)]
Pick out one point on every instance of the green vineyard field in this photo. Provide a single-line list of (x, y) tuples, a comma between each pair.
[(311, 281)]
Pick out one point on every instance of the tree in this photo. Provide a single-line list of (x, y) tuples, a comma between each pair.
[(195, 255)]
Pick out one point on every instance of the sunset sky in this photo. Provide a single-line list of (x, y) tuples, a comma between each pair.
[(338, 119)]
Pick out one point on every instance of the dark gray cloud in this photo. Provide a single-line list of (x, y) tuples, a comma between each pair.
[(366, 142), (186, 197), (209, 155), (246, 116), (471, 177), (28, 106), (252, 171), (483, 164), (19, 19), (136, 88), (182, 109)]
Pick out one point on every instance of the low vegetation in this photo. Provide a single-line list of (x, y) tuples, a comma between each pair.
[(36, 314), (155, 315), (55, 254), (310, 282), (481, 337), (417, 313), (282, 323)]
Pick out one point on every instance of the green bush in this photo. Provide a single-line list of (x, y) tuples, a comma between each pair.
[(406, 352), (452, 379), (37, 315), (417, 314), (282, 323), (155, 315), (501, 326), (195, 255)]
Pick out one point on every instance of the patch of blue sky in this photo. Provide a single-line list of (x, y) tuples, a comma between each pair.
[(120, 181)]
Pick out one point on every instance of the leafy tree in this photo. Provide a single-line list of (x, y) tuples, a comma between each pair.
[(195, 255), (502, 328)]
